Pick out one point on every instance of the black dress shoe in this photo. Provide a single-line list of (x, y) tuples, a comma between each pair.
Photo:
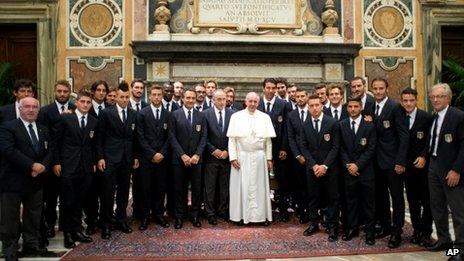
[(143, 224), (394, 241), (80, 237), (303, 219), (284, 216), (50, 233), (178, 224), (212, 220), (313, 228), (333, 234), (33, 252), (382, 232), (266, 223), (68, 241), (370, 239), (196, 222), (458, 257), (350, 234), (439, 246), (425, 240), (416, 238), (124, 227), (161, 221), (90, 230), (106, 233)]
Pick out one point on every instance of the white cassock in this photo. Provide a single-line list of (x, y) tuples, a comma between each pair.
[(250, 142)]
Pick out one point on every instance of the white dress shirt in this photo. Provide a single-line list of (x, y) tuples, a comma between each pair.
[(59, 105), (381, 105), (34, 127), (120, 112), (412, 117), (441, 117), (305, 109), (318, 123), (153, 109), (186, 112), (357, 123), (95, 106), (79, 117), (271, 101)]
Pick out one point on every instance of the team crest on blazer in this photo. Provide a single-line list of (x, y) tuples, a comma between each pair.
[(448, 138), (133, 126), (327, 137), (363, 141), (386, 124), (420, 135), (91, 133), (46, 145), (280, 118), (165, 126), (198, 127)]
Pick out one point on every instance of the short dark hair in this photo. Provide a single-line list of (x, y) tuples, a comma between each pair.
[(96, 83), (137, 80), (83, 93), (358, 78), (64, 83), (23, 83), (313, 97), (208, 81), (156, 87), (269, 80), (123, 86), (282, 80), (409, 90), (335, 86), (320, 86), (188, 90), (354, 99), (380, 79), (299, 89)]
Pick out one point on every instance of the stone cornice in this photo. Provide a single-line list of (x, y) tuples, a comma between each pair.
[(254, 52)]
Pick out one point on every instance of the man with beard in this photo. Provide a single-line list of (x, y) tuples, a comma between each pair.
[(358, 89), (200, 103), (291, 90), (321, 91), (111, 96), (282, 88), (168, 102), (336, 108), (99, 90), (49, 116), (137, 88), (210, 87), (178, 92), (230, 99)]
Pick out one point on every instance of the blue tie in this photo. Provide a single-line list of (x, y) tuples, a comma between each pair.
[(35, 141), (221, 122)]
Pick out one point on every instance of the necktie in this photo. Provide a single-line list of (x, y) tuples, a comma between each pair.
[(209, 103), (62, 108), (377, 110), (35, 141), (82, 122), (353, 127), (302, 115), (137, 106), (434, 134), (408, 121), (167, 106), (124, 116), (336, 114), (99, 109), (221, 122), (316, 125), (189, 117), (268, 107), (157, 114), (198, 107)]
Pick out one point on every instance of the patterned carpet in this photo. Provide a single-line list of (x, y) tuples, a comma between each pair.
[(226, 241)]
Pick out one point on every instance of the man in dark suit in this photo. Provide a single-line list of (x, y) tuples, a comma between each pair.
[(446, 149), (21, 89), (24, 145), (49, 116), (99, 91), (74, 163), (295, 121), (417, 189), (321, 91), (358, 89), (357, 148), (391, 159), (217, 167), (137, 88), (187, 136), (168, 103), (178, 92), (336, 109), (319, 144), (117, 155), (276, 109), (210, 87), (200, 103), (152, 135), (230, 100)]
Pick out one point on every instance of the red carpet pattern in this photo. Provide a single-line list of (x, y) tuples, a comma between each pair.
[(226, 241)]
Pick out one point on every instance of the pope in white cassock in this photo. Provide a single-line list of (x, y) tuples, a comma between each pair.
[(250, 153)]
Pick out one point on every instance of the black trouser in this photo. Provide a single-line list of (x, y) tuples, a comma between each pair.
[(116, 177), (417, 192), (153, 183), (181, 177), (299, 187), (51, 191), (137, 194), (216, 197), (74, 190), (442, 196), (328, 185), (360, 198), (91, 202), (10, 220), (283, 178), (388, 181)]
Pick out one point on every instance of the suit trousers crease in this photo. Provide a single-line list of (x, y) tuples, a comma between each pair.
[(74, 190), (216, 184), (182, 176), (328, 187), (360, 201), (153, 186)]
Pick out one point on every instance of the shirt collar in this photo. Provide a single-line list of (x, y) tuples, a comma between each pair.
[(120, 109), (79, 114), (339, 108), (154, 108), (305, 108), (443, 112), (271, 101), (319, 118), (216, 110), (413, 113), (96, 104), (26, 124), (186, 110), (357, 120), (382, 103), (66, 105)]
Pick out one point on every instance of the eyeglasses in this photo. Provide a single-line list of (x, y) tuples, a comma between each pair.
[(433, 97)]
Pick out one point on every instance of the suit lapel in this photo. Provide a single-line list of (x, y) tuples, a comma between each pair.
[(444, 125), (322, 129), (359, 133)]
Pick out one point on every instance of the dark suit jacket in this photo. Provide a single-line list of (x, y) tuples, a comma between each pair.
[(93, 110), (18, 155), (117, 141), (450, 150), (278, 117), (7, 112), (289, 106), (294, 126), (359, 149), (216, 139), (142, 103), (341, 115), (322, 147), (237, 106), (369, 106), (418, 135), (186, 139), (73, 148), (174, 106), (392, 136), (49, 115), (152, 134)]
